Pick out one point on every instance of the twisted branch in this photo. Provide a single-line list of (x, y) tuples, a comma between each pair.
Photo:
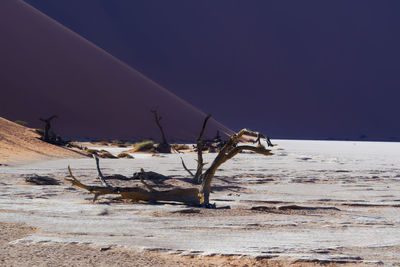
[(200, 164), (228, 152), (100, 175)]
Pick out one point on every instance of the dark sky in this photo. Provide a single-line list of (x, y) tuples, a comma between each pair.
[(291, 69)]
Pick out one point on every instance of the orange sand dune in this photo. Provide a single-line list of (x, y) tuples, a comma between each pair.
[(19, 143), (47, 69)]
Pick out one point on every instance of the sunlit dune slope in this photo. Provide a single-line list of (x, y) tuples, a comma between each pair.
[(18, 143)]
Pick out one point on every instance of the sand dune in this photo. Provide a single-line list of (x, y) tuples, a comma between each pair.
[(48, 69), (19, 143)]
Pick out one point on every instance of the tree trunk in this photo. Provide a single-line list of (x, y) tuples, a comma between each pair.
[(163, 147), (200, 164), (47, 127), (228, 152)]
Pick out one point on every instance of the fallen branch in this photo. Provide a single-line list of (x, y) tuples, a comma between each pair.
[(189, 196), (184, 195)]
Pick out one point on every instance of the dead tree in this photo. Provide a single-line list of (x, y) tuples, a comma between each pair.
[(197, 177), (228, 152), (191, 196), (47, 127), (163, 147)]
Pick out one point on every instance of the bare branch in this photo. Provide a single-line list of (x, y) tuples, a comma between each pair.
[(74, 181), (100, 175), (199, 172), (52, 117), (186, 169), (259, 150), (48, 119), (47, 127), (203, 128), (258, 140)]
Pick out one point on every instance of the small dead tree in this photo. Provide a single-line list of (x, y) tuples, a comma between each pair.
[(163, 147), (47, 126), (190, 196)]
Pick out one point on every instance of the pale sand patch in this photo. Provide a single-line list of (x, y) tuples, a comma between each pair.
[(19, 254), (19, 143)]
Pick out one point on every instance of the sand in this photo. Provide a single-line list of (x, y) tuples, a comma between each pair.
[(18, 254), (311, 203), (22, 144)]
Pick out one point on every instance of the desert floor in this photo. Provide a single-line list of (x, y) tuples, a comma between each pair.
[(313, 202)]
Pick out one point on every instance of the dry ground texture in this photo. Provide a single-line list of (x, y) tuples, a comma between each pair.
[(312, 203), (25, 254)]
